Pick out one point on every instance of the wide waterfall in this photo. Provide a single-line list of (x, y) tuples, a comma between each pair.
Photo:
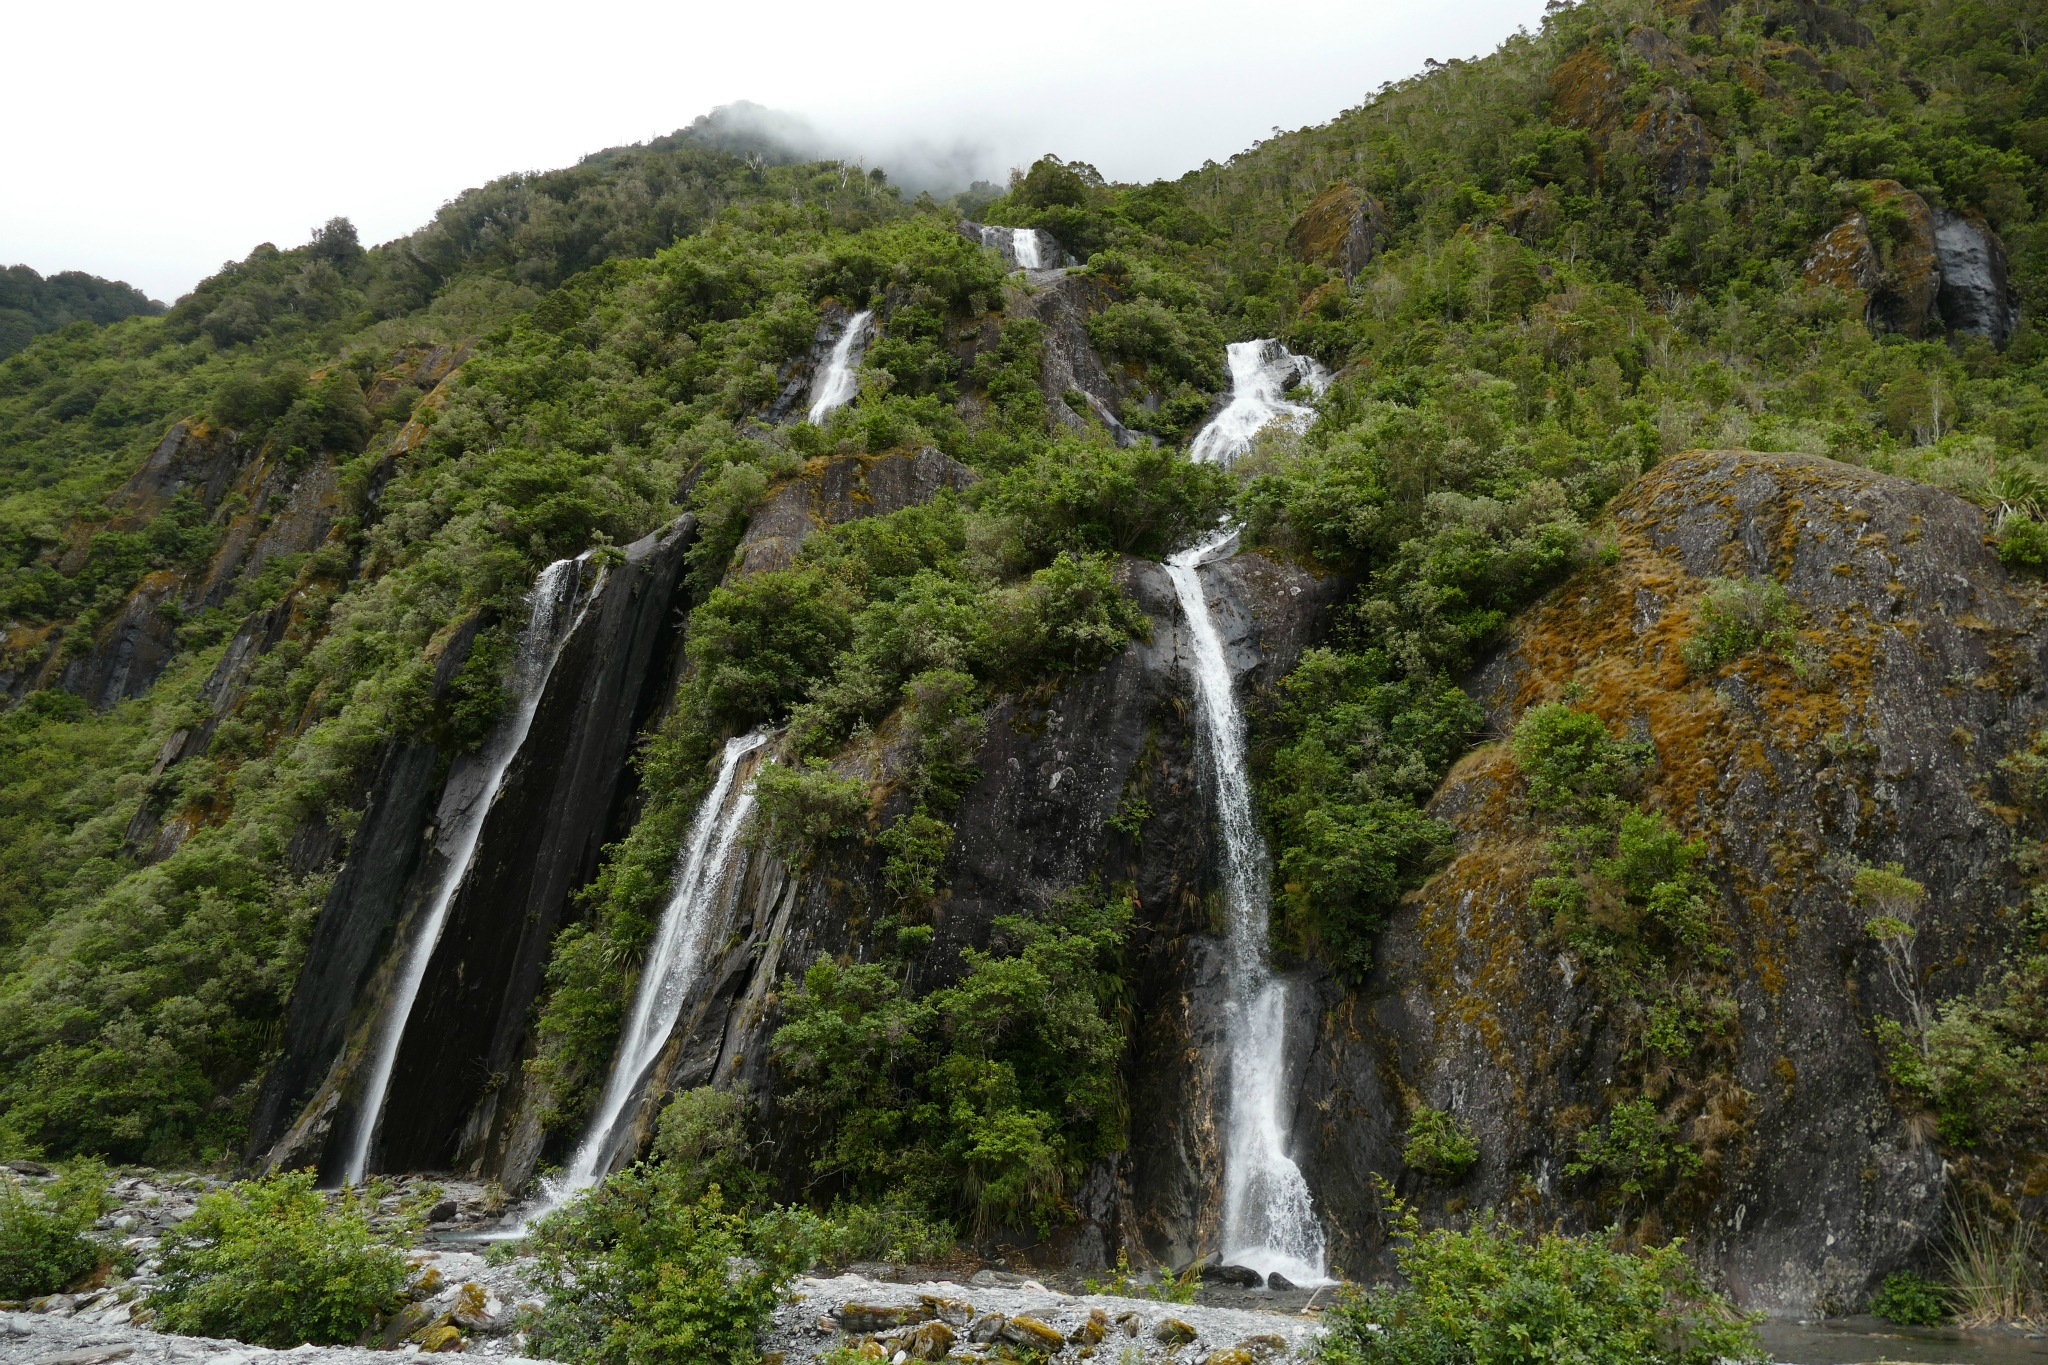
[(1269, 1221), (836, 386), (1019, 246), (673, 961), (1261, 372), (550, 623)]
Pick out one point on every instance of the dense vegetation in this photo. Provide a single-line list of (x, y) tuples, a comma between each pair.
[(31, 305), (1552, 304), (1496, 1293)]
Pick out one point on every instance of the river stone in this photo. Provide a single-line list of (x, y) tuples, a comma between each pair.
[(1242, 1276), (1091, 1332), (931, 1341), (1278, 1281), (1173, 1332), (1032, 1335), (985, 1327), (868, 1317), (954, 1313)]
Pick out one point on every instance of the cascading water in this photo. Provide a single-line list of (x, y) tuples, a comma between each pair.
[(550, 623), (1018, 245), (838, 384), (1261, 372), (671, 968), (1269, 1221)]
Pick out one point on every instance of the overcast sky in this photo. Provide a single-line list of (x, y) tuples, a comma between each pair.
[(150, 142)]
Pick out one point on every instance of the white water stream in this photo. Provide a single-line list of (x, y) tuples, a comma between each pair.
[(673, 960), (555, 608), (838, 384), (1261, 372), (1020, 246), (1269, 1221)]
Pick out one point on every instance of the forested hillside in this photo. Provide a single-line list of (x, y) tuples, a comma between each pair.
[(249, 546), (31, 305)]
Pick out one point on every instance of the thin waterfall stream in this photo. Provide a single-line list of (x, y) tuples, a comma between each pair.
[(838, 384), (555, 608), (703, 869), (1269, 1220)]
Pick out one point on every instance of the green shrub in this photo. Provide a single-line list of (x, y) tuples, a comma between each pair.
[(642, 1271), (987, 1098), (803, 806), (886, 1230), (702, 1136), (1440, 1144), (1910, 1300), (1638, 1151), (2023, 544), (1497, 1294), (269, 1262), (1738, 616), (45, 1234), (1575, 768)]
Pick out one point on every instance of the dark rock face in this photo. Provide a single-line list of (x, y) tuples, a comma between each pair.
[(1051, 255), (1079, 388), (565, 794), (1819, 1186), (836, 489), (561, 801), (1976, 293), (1056, 767), (1901, 284), (1343, 228)]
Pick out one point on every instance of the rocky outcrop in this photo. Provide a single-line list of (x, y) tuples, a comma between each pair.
[(1896, 267), (265, 507), (1976, 294), (840, 488), (568, 792), (1080, 390), (1590, 92), (1820, 1185), (1342, 228)]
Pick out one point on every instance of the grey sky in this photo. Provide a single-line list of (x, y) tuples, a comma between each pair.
[(152, 142)]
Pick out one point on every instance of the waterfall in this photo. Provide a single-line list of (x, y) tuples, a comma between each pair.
[(1019, 246), (549, 625), (1261, 372), (836, 387), (673, 960), (1269, 1220)]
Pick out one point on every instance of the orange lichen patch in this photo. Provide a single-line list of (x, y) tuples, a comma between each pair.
[(1343, 228), (1845, 258), (1586, 91)]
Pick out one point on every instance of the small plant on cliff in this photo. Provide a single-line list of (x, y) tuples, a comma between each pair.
[(269, 1262), (1739, 616), (1496, 1293), (1896, 900), (1906, 1298), (1638, 1151), (1440, 1145), (46, 1239)]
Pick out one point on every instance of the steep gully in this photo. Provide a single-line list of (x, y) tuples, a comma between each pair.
[(553, 617)]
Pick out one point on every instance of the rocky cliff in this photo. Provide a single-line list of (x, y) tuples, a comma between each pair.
[(1817, 1183)]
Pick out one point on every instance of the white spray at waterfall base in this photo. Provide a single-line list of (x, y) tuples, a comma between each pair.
[(1269, 1221), (703, 871), (549, 625), (837, 384), (1261, 373)]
